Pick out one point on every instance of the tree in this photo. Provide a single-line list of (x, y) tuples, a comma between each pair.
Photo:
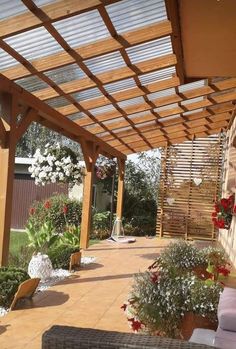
[(37, 136)]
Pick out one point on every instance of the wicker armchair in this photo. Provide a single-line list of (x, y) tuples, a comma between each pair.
[(64, 337)]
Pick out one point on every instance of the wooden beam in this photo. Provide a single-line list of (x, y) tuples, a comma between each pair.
[(50, 114), (120, 190), (173, 16), (90, 152), (30, 116), (7, 161), (3, 133)]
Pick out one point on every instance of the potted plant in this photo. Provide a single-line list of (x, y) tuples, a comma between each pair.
[(222, 215)]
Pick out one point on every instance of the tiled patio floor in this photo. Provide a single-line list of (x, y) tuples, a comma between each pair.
[(91, 297)]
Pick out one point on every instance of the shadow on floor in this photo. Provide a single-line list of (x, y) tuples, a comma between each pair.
[(43, 299), (91, 266), (117, 247), (3, 329), (151, 256)]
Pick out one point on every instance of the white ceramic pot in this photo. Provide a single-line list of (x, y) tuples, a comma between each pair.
[(40, 266)]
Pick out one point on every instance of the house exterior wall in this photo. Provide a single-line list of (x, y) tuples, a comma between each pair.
[(227, 238)]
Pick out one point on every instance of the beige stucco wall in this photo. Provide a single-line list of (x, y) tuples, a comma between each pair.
[(227, 238)]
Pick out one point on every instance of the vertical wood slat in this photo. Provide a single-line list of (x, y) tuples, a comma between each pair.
[(189, 216)]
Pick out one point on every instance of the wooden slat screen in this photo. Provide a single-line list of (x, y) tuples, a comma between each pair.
[(190, 182)]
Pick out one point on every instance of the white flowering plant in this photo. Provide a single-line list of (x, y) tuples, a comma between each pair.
[(105, 167), (162, 296), (57, 164)]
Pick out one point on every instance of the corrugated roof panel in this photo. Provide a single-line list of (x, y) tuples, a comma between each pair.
[(41, 3), (163, 74), (166, 107), (193, 100), (32, 83), (120, 85), (147, 123), (193, 111), (34, 43), (101, 110), (87, 94), (6, 61), (128, 128), (105, 63), (11, 8), (142, 113), (192, 85), (128, 15), (163, 93), (58, 102), (149, 50), (167, 118), (82, 29), (132, 101), (65, 74), (76, 116)]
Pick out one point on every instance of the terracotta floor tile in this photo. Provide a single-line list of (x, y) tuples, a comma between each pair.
[(90, 298)]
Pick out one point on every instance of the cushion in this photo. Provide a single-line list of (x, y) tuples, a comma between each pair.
[(203, 336), (225, 339), (227, 319)]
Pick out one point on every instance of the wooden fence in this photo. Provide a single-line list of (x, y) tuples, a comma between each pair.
[(25, 192), (190, 182)]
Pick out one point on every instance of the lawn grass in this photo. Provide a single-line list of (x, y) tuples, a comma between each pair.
[(19, 239)]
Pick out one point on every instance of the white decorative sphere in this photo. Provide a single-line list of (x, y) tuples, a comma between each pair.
[(40, 266)]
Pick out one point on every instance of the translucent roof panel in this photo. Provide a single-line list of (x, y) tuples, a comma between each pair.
[(34, 43), (76, 116), (87, 94), (6, 61), (193, 100), (167, 118), (130, 102), (58, 102), (128, 15), (65, 74), (120, 85), (41, 3), (192, 85), (32, 83), (163, 74), (166, 107), (11, 8), (101, 110), (193, 111), (149, 50), (163, 93), (105, 63), (82, 29)]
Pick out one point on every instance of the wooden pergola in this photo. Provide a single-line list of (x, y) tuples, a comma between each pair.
[(114, 76)]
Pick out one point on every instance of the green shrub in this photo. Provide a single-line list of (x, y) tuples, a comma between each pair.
[(21, 257), (60, 210), (10, 279), (101, 225), (60, 256), (141, 226)]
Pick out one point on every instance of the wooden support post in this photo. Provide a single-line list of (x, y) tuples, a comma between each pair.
[(120, 192), (7, 161), (90, 152)]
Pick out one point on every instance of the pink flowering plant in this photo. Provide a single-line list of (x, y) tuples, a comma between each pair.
[(105, 167)]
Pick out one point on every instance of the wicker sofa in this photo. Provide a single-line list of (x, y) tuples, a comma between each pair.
[(65, 337)]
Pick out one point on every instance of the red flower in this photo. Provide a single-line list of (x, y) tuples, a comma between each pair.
[(234, 209), (225, 203), (136, 325), (217, 209), (223, 270), (65, 209), (214, 214), (124, 306), (154, 277), (221, 223), (47, 204), (32, 210)]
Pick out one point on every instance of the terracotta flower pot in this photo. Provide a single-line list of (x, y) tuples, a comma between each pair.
[(191, 321)]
